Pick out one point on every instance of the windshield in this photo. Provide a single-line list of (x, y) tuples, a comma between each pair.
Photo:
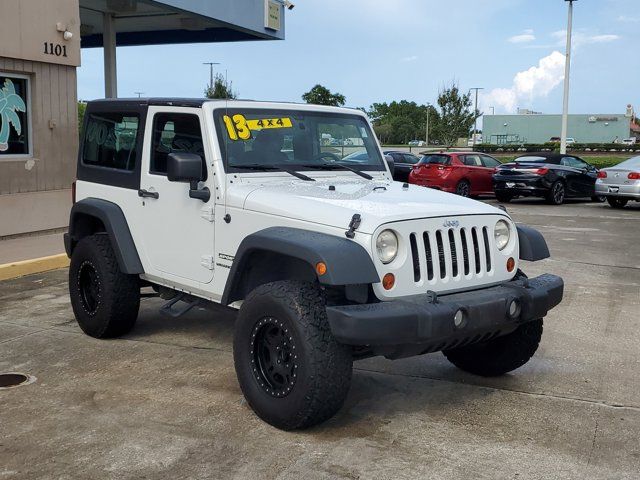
[(295, 139), (633, 162)]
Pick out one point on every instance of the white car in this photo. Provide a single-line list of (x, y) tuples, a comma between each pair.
[(326, 258)]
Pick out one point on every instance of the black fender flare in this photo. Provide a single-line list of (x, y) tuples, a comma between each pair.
[(115, 225), (533, 246), (348, 263)]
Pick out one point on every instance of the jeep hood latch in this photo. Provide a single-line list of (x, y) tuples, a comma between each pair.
[(355, 222)]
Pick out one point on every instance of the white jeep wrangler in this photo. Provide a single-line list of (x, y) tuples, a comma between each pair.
[(327, 259)]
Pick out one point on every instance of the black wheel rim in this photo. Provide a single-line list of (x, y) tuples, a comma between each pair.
[(463, 189), (274, 357), (558, 193), (89, 287)]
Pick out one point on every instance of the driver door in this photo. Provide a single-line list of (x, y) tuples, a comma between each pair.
[(177, 231)]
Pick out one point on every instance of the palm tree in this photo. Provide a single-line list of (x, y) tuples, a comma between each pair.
[(10, 102)]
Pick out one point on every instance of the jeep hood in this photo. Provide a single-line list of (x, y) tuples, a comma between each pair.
[(333, 202)]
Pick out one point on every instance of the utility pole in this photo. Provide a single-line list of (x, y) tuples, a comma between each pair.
[(211, 64), (567, 68), (427, 136), (475, 113), (493, 110), (139, 94)]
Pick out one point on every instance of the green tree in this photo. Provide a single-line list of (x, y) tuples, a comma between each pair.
[(401, 121), (455, 118), (320, 95), (82, 107), (221, 89)]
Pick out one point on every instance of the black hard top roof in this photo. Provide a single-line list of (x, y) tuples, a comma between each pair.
[(165, 102), (549, 156)]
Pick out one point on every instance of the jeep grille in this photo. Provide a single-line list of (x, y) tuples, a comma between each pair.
[(451, 252)]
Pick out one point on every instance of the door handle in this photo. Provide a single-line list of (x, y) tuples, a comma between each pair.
[(146, 193)]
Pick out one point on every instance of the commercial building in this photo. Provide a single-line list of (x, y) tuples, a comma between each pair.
[(40, 44), (538, 128)]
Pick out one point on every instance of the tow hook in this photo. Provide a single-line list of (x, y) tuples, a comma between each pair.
[(355, 222)]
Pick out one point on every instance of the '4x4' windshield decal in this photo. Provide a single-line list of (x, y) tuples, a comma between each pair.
[(10, 103)]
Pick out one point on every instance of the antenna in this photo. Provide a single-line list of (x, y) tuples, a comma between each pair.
[(211, 64)]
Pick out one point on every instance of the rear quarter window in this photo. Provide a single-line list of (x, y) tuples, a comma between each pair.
[(110, 140)]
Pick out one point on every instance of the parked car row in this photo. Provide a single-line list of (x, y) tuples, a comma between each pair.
[(554, 177)]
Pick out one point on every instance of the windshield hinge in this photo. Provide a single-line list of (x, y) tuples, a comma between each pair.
[(207, 261), (207, 213), (356, 220)]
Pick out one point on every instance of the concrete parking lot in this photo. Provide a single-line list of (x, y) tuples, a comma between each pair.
[(164, 402)]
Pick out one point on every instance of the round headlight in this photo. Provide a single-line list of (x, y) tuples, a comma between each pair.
[(387, 246), (502, 234)]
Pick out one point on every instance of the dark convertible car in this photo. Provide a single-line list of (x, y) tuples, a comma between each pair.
[(551, 176)]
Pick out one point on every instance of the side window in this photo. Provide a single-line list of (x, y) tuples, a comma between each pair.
[(489, 161), (110, 140), (410, 159), (472, 160), (175, 133), (573, 162)]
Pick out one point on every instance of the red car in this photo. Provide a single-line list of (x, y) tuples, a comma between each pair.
[(464, 173)]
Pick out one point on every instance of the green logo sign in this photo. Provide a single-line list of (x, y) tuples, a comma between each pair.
[(10, 103)]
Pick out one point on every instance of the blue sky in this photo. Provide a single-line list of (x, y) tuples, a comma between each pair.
[(374, 50)]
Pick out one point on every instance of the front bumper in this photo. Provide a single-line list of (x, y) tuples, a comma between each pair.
[(421, 321)]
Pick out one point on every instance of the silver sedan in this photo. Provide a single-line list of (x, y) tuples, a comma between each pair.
[(620, 183)]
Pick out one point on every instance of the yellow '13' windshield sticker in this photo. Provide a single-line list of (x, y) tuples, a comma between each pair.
[(239, 128)]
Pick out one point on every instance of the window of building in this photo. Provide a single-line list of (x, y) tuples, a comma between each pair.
[(110, 140), (15, 116), (175, 133)]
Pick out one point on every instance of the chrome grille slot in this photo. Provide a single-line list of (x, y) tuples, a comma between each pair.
[(429, 256), (441, 260), (454, 253), (415, 257), (487, 249)]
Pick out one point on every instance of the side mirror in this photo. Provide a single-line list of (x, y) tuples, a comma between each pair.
[(184, 167), (187, 168), (391, 163)]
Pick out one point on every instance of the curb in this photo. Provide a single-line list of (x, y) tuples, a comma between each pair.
[(34, 265)]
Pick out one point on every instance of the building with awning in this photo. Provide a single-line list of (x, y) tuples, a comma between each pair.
[(40, 44)]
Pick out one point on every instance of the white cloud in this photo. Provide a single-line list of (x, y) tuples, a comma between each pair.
[(628, 19), (581, 38), (412, 58), (522, 38), (537, 81)]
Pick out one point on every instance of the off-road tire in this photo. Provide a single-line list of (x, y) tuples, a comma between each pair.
[(116, 296), (556, 194), (463, 188), (500, 355), (322, 366), (616, 202), (504, 197)]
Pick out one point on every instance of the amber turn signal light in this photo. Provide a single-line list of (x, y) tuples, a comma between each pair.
[(321, 268), (511, 264), (388, 281)]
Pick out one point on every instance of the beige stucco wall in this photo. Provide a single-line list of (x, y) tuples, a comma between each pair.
[(34, 190), (28, 24)]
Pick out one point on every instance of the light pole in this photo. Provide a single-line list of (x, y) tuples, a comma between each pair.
[(139, 94), (567, 68), (211, 64), (475, 113), (426, 138), (493, 110)]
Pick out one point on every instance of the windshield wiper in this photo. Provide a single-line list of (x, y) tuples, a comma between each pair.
[(338, 166), (266, 168)]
